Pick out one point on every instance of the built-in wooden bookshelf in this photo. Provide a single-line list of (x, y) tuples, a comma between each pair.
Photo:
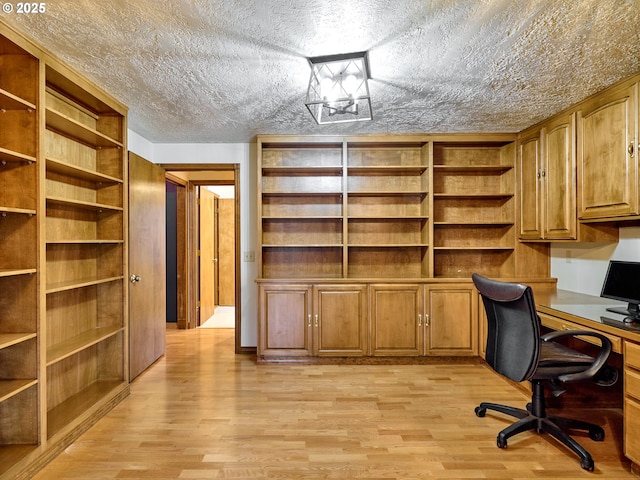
[(85, 314), (19, 267), (63, 310), (387, 208), (390, 229), (474, 209)]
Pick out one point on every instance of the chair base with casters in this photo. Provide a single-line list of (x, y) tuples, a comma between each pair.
[(535, 418)]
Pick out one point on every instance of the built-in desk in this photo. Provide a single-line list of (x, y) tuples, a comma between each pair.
[(564, 310)]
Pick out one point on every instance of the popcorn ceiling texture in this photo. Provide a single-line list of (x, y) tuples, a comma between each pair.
[(195, 71)]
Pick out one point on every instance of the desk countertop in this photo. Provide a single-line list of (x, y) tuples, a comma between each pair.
[(587, 310)]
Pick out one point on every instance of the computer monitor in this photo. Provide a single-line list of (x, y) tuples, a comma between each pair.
[(622, 282)]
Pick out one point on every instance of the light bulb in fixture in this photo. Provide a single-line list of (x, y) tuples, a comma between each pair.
[(327, 89), (350, 85)]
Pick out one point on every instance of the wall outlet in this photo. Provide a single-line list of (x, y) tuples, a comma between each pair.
[(249, 256)]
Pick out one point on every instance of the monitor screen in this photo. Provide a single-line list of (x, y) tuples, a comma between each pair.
[(622, 282)]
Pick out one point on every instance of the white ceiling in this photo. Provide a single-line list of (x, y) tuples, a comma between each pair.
[(196, 71)]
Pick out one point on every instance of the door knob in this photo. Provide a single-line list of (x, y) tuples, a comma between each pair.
[(135, 278)]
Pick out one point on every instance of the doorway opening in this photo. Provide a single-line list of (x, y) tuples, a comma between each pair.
[(216, 214), (191, 182)]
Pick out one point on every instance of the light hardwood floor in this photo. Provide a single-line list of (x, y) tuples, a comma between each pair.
[(202, 412)]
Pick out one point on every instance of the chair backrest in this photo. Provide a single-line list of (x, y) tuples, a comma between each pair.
[(513, 327)]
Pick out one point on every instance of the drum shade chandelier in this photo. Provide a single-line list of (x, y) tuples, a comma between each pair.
[(338, 88)]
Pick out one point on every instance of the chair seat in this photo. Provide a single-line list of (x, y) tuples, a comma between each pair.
[(556, 359)]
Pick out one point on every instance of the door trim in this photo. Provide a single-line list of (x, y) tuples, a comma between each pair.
[(201, 171)]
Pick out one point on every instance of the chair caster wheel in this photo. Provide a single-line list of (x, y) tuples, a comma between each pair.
[(480, 412), (596, 434), (587, 464), (501, 442)]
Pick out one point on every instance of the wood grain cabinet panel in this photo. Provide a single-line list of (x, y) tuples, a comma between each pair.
[(285, 320), (547, 166), (340, 320), (608, 155), (452, 323), (397, 319), (530, 168)]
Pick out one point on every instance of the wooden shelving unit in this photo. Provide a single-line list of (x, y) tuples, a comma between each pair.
[(387, 209), (85, 314), (388, 226), (474, 209), (63, 255), (19, 267)]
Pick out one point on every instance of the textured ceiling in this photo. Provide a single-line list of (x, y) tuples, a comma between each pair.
[(222, 71)]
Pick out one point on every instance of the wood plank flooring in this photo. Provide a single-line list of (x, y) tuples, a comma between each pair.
[(202, 412)]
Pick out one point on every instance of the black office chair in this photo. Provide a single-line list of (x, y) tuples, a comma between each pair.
[(516, 350)]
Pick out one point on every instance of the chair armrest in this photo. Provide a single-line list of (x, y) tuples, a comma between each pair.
[(599, 361)]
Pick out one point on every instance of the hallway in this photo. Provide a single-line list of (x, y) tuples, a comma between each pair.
[(202, 412)]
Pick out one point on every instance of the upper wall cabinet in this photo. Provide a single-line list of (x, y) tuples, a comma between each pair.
[(608, 154), (547, 164)]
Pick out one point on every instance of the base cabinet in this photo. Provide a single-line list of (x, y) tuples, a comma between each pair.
[(396, 320), (304, 320), (343, 320), (632, 401), (452, 321), (285, 320), (340, 314)]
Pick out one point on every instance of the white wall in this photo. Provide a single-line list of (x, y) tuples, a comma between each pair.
[(139, 145), (582, 267), (215, 153)]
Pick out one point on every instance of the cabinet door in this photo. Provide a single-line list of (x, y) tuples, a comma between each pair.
[(452, 326), (559, 179), (608, 157), (284, 320), (396, 320), (530, 170), (340, 320)]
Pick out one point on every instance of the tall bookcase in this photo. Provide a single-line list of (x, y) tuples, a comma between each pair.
[(85, 250), (63, 255), (19, 266)]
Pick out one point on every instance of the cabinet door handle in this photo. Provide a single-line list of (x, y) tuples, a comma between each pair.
[(309, 320), (316, 318), (426, 319), (630, 149), (419, 319)]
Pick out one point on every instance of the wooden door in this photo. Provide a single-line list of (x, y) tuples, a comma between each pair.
[(207, 249), (147, 264), (530, 169), (396, 320), (559, 179), (607, 155), (452, 327), (226, 251), (340, 320), (284, 320)]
